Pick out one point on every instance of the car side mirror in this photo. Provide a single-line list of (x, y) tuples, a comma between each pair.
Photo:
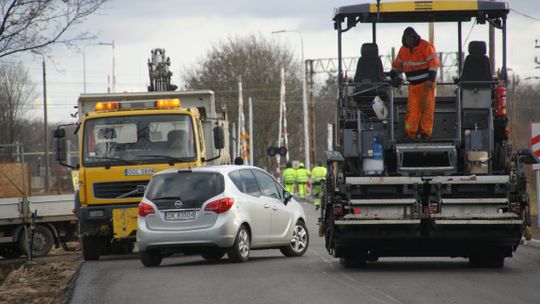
[(286, 196)]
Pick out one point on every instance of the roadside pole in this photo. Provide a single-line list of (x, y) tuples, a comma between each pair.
[(535, 147), (251, 162), (537, 197)]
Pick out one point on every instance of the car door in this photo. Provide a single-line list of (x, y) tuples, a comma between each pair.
[(281, 215), (259, 209)]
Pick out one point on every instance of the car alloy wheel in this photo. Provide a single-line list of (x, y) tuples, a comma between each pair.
[(299, 242), (239, 252), (300, 239), (243, 244)]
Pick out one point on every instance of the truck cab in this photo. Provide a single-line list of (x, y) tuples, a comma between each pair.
[(124, 139)]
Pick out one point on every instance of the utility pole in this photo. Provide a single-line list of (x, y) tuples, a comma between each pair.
[(45, 123), (46, 128), (304, 97)]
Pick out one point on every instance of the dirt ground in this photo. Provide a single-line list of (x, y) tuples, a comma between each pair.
[(49, 280)]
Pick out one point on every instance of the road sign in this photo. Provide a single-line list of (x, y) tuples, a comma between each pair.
[(535, 142)]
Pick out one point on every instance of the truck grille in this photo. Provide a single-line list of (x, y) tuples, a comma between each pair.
[(116, 189)]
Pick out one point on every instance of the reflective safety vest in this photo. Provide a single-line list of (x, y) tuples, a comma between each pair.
[(289, 176), (318, 173), (302, 175), (419, 65)]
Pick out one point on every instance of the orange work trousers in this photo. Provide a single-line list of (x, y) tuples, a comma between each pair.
[(420, 110)]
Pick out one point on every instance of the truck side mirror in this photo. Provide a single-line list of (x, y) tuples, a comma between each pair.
[(59, 133), (219, 138), (61, 151)]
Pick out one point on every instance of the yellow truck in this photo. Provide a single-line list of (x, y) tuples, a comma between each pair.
[(124, 138)]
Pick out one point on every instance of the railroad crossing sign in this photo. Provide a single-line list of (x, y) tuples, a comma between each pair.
[(535, 142)]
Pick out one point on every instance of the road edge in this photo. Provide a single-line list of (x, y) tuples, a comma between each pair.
[(67, 295)]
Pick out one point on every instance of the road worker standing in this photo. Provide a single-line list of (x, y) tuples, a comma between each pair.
[(302, 176), (417, 58), (289, 177), (318, 176)]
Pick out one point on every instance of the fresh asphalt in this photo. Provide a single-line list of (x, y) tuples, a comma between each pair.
[(317, 277)]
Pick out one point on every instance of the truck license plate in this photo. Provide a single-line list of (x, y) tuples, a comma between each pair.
[(139, 171), (180, 215)]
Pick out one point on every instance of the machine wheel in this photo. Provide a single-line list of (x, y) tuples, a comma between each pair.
[(213, 256), (299, 242), (352, 262), (151, 258), (239, 252), (487, 260), (42, 243), (10, 252), (90, 246)]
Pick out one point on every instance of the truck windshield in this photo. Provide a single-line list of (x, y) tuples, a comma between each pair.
[(137, 139)]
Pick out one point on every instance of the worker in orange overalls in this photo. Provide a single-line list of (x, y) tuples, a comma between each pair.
[(417, 58)]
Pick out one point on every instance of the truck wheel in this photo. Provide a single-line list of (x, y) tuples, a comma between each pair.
[(487, 260), (214, 255), (42, 243), (90, 248), (352, 262), (150, 258), (122, 247), (10, 252), (299, 242), (239, 252)]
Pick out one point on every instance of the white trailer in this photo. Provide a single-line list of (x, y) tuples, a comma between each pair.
[(55, 224)]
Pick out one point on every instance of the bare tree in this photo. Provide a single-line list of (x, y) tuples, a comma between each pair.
[(258, 61), (31, 24), (16, 95)]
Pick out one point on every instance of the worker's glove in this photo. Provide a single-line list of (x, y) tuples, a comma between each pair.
[(396, 82)]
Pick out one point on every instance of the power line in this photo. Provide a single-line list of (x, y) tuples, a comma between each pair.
[(524, 15)]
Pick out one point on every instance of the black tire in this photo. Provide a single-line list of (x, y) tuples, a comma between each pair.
[(487, 260), (150, 258), (42, 243), (353, 262), (122, 247), (213, 256), (239, 252), (91, 248), (299, 243), (10, 252)]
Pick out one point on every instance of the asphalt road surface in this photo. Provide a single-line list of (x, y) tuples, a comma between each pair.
[(269, 277)]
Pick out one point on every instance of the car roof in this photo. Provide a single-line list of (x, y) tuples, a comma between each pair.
[(223, 169)]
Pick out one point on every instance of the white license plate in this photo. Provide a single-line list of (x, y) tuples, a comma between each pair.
[(180, 215)]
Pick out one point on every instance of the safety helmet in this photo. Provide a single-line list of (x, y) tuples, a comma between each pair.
[(301, 165)]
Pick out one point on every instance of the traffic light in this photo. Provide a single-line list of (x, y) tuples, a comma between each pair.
[(272, 151)]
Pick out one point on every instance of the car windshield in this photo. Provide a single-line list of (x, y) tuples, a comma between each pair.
[(191, 188), (135, 139)]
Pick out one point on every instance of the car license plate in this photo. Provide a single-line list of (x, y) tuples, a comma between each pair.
[(180, 215)]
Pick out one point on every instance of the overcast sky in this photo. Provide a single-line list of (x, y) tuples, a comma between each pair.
[(186, 29)]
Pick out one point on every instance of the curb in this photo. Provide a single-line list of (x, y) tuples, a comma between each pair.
[(532, 243)]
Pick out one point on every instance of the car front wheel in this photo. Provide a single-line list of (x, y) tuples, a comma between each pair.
[(299, 242)]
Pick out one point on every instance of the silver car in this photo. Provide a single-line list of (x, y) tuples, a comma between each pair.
[(216, 211)]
